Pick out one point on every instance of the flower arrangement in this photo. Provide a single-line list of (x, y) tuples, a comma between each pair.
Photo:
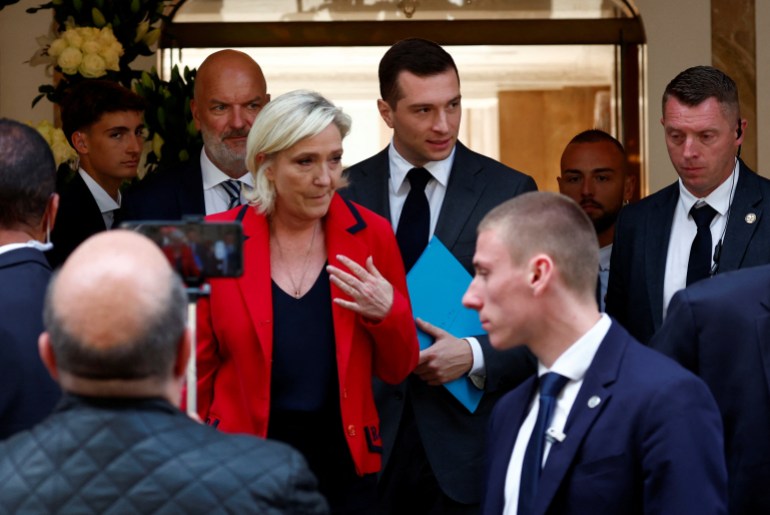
[(86, 50), (97, 38), (61, 149), (168, 116), (100, 39)]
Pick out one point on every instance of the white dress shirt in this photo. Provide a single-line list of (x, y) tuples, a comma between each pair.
[(214, 195), (573, 363), (107, 204), (435, 191), (683, 231)]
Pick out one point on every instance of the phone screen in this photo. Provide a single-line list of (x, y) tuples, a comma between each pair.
[(197, 250)]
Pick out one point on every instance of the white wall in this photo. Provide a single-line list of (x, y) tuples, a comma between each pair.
[(678, 36), (19, 81)]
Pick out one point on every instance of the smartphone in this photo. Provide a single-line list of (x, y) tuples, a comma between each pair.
[(197, 250)]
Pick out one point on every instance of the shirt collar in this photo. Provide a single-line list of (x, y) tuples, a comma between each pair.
[(719, 199), (399, 167), (212, 175), (102, 198), (574, 362)]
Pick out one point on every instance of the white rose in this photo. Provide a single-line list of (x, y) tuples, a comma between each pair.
[(57, 47), (106, 37), (69, 60), (72, 37), (111, 59), (62, 152), (92, 66), (90, 47), (88, 33)]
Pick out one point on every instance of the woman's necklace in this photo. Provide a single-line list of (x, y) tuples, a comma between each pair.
[(297, 287)]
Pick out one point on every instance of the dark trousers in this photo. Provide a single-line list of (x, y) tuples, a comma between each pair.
[(408, 485)]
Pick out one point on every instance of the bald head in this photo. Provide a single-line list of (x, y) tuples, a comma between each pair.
[(230, 90), (116, 311)]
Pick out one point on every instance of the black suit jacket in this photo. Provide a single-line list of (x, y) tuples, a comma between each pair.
[(79, 217), (720, 329), (27, 392), (167, 195), (452, 437), (638, 263)]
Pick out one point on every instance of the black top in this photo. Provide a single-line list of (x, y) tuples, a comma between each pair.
[(304, 373)]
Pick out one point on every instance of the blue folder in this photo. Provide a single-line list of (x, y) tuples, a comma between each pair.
[(437, 283)]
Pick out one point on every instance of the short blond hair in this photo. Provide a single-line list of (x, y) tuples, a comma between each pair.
[(552, 224), (282, 123)]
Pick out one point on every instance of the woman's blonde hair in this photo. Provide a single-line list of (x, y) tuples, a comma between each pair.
[(282, 123)]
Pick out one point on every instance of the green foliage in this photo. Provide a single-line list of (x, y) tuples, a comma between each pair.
[(169, 117)]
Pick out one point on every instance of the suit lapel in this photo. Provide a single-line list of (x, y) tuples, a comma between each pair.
[(371, 184), (462, 194), (657, 234), (763, 337), (190, 194), (597, 383), (505, 433), (747, 201)]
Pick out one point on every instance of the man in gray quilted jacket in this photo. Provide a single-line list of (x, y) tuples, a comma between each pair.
[(116, 342)]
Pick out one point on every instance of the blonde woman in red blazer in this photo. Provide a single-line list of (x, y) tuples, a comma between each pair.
[(302, 238)]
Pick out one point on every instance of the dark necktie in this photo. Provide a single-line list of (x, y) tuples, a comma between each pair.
[(550, 386), (699, 265), (414, 224), (233, 190)]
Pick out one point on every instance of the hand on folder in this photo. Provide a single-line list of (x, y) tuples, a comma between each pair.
[(449, 358)]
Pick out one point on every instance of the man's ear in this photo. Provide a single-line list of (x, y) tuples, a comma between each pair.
[(79, 142), (47, 355), (49, 215), (540, 272), (184, 348), (386, 112)]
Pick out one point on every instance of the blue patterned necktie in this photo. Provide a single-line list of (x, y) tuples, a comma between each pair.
[(550, 386), (233, 190)]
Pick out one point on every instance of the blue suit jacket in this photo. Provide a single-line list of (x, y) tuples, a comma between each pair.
[(167, 195), (638, 264), (720, 329), (27, 392), (653, 444), (452, 437)]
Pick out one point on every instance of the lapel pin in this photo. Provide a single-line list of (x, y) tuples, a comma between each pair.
[(750, 218), (594, 401)]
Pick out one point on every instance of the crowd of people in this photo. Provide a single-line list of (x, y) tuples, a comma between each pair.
[(314, 392)]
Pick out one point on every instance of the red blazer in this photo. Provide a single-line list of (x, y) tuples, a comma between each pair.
[(235, 333)]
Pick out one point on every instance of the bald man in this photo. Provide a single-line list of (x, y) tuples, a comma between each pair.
[(230, 90), (117, 442)]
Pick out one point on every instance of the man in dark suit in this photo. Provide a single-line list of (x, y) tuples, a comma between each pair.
[(655, 239), (608, 425), (230, 90), (432, 445), (720, 329), (594, 174), (28, 207), (103, 122), (117, 442)]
